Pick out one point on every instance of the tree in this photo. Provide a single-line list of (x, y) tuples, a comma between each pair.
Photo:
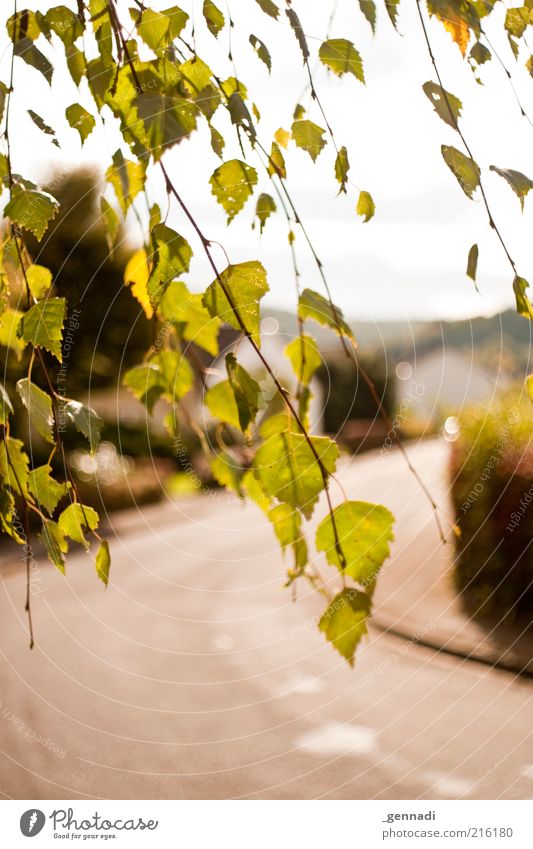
[(145, 76)]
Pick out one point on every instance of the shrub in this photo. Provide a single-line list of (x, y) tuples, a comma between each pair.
[(492, 492)]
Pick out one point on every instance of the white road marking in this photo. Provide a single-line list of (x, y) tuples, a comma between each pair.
[(334, 738)]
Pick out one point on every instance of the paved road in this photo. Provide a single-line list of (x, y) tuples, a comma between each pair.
[(194, 676)]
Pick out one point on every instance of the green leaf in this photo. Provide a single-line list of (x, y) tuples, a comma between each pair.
[(217, 142), (232, 184), (178, 19), (245, 283), (168, 374), (80, 120), (127, 179), (298, 31), (268, 7), (196, 73), (111, 224), (287, 526), (254, 490), (364, 532), (75, 520), (39, 122), (31, 210), (221, 403), (76, 63), (172, 256), (516, 21), (143, 382), (227, 472), (465, 169), (262, 51), (287, 468), (53, 539), (341, 57), (103, 561), (365, 206), (213, 17), (519, 183), (308, 136), (6, 408), (304, 357), (392, 10), (264, 208), (39, 280), (9, 520), (523, 304), (23, 24), (345, 622), (180, 307), (65, 23), (14, 465), (314, 306), (153, 27), (26, 50), (480, 54), (471, 266), (246, 391), (85, 420), (368, 8), (342, 166), (46, 491), (42, 325), (166, 120), (39, 407), (447, 106)]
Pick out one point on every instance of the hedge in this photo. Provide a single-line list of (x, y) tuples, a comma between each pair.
[(492, 493)]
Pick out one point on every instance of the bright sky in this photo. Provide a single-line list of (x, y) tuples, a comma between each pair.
[(409, 261)]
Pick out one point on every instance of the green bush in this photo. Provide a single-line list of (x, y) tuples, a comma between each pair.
[(492, 491)]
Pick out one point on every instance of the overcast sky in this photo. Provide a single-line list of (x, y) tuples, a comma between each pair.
[(409, 262)]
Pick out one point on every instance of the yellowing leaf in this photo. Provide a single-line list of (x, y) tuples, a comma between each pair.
[(136, 275), (365, 206), (42, 325), (39, 280)]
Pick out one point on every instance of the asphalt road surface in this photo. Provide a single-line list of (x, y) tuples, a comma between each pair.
[(195, 676)]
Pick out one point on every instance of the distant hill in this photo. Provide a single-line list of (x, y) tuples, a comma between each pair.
[(501, 342)]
